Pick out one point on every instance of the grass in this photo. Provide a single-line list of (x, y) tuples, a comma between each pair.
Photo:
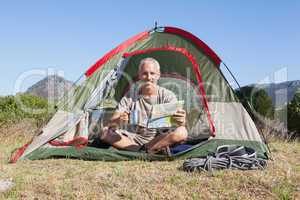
[(77, 179)]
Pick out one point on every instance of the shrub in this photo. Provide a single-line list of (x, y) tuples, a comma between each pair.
[(15, 108)]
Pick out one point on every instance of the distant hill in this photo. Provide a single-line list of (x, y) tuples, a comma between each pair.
[(281, 93), (52, 87)]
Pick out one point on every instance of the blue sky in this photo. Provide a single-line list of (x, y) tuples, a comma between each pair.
[(255, 38)]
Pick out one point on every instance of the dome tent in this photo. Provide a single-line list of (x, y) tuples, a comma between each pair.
[(188, 67)]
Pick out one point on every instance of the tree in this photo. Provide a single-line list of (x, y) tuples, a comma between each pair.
[(294, 115), (259, 100)]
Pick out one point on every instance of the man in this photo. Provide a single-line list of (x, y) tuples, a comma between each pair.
[(138, 136)]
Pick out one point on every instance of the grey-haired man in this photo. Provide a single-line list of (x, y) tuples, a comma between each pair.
[(138, 136)]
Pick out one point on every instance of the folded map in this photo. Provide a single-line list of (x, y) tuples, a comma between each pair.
[(161, 115)]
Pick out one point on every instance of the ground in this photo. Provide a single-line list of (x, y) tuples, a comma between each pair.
[(78, 179)]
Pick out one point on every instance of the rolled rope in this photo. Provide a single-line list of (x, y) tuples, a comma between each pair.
[(227, 157)]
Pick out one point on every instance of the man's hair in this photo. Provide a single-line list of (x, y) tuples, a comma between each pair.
[(152, 60)]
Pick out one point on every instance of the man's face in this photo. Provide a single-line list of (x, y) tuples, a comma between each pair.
[(149, 75)]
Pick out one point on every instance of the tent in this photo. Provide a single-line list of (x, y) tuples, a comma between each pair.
[(189, 68)]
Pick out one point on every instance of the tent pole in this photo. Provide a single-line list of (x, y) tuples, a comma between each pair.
[(232, 75), (155, 25)]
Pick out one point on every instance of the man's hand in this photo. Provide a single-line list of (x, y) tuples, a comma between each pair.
[(118, 119), (179, 117), (124, 118)]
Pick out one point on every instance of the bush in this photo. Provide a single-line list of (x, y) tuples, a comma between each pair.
[(15, 108)]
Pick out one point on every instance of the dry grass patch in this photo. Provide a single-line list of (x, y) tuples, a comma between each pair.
[(77, 179)]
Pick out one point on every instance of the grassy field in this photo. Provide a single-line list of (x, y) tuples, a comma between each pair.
[(77, 179)]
